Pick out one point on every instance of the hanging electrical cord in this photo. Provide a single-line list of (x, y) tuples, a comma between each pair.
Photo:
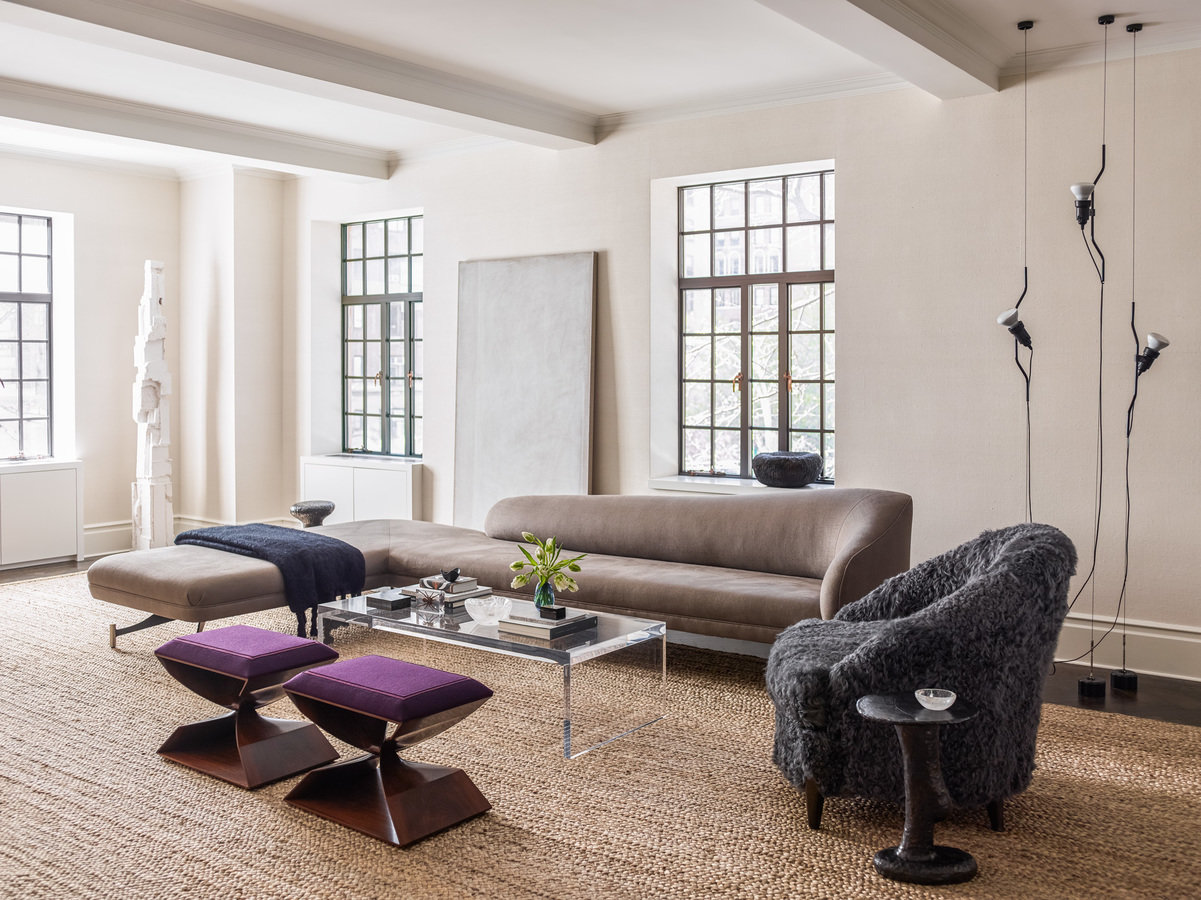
[(1123, 679), (1084, 193), (1011, 318)]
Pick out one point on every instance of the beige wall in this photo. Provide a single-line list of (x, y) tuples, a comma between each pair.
[(120, 220), (258, 351), (929, 246), (204, 483), (232, 409)]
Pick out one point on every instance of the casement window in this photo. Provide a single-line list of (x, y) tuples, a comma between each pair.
[(756, 294), (26, 296), (382, 282)]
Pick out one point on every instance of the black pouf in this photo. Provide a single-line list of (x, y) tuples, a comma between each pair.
[(784, 468)]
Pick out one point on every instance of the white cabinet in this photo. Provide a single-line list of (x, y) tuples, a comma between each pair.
[(41, 511), (362, 487)]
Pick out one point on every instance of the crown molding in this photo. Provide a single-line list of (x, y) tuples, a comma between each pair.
[(105, 115), (942, 29), (806, 93), (285, 57), (78, 160), (925, 43), (1150, 42)]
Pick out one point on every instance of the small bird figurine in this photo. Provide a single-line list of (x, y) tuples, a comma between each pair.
[(451, 575)]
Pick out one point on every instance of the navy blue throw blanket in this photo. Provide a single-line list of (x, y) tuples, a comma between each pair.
[(316, 568)]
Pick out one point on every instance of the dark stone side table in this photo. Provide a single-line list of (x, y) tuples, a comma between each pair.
[(311, 513), (918, 859)]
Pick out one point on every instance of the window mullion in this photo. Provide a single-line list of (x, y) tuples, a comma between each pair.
[(385, 364), (744, 443), (784, 384), (410, 383)]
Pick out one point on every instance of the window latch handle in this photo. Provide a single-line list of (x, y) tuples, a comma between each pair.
[(736, 383), (788, 382), (410, 377)]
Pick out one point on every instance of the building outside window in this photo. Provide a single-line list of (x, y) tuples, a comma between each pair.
[(382, 283), (756, 292), (26, 294)]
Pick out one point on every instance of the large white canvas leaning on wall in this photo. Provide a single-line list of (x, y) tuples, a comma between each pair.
[(523, 420)]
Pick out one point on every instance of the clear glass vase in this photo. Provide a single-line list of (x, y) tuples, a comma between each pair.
[(544, 594)]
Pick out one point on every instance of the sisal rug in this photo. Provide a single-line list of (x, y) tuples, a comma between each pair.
[(690, 807)]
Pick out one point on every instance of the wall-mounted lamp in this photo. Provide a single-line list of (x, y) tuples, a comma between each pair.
[(1083, 192), (1155, 344), (1011, 320)]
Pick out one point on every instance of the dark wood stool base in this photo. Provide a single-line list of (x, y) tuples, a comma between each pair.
[(247, 749), (943, 865), (388, 798)]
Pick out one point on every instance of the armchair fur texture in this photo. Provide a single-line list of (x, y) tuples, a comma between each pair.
[(981, 619)]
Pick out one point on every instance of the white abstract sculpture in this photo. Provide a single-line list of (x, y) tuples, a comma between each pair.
[(153, 520)]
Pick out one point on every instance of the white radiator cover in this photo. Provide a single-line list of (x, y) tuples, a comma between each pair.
[(41, 511), (363, 487)]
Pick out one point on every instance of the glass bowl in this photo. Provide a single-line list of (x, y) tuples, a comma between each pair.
[(934, 698), (488, 610)]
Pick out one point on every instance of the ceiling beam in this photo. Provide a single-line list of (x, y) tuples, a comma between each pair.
[(899, 37), (103, 115), (248, 48)]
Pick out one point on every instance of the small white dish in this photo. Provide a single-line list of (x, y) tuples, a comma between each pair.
[(489, 609), (934, 698)]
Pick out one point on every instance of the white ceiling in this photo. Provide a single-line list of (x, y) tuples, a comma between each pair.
[(359, 86)]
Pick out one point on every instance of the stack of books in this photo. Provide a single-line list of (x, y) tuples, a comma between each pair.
[(387, 598), (453, 592), (546, 629)]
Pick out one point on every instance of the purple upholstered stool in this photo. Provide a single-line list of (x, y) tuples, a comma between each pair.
[(380, 794), (244, 668)]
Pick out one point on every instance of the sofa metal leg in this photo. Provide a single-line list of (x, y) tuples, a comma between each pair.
[(996, 814), (814, 801), (148, 622)]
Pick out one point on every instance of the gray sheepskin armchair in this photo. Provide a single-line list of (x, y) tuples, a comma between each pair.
[(982, 619)]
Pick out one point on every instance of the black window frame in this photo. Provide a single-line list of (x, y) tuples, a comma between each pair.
[(26, 301), (820, 438), (385, 305)]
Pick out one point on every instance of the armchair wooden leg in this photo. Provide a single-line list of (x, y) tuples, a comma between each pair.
[(996, 814), (814, 801)]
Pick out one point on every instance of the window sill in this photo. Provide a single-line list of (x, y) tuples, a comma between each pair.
[(40, 462), (707, 484)]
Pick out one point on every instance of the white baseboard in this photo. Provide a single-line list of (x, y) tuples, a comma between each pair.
[(103, 538), (726, 645), (1152, 648), (187, 523)]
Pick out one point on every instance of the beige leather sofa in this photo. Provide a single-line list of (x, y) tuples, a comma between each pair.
[(740, 566)]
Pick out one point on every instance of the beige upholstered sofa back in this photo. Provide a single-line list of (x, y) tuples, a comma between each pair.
[(800, 533)]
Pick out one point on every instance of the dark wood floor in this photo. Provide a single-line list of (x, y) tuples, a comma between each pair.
[(1165, 699)]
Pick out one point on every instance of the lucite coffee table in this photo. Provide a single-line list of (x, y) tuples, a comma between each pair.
[(613, 633)]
